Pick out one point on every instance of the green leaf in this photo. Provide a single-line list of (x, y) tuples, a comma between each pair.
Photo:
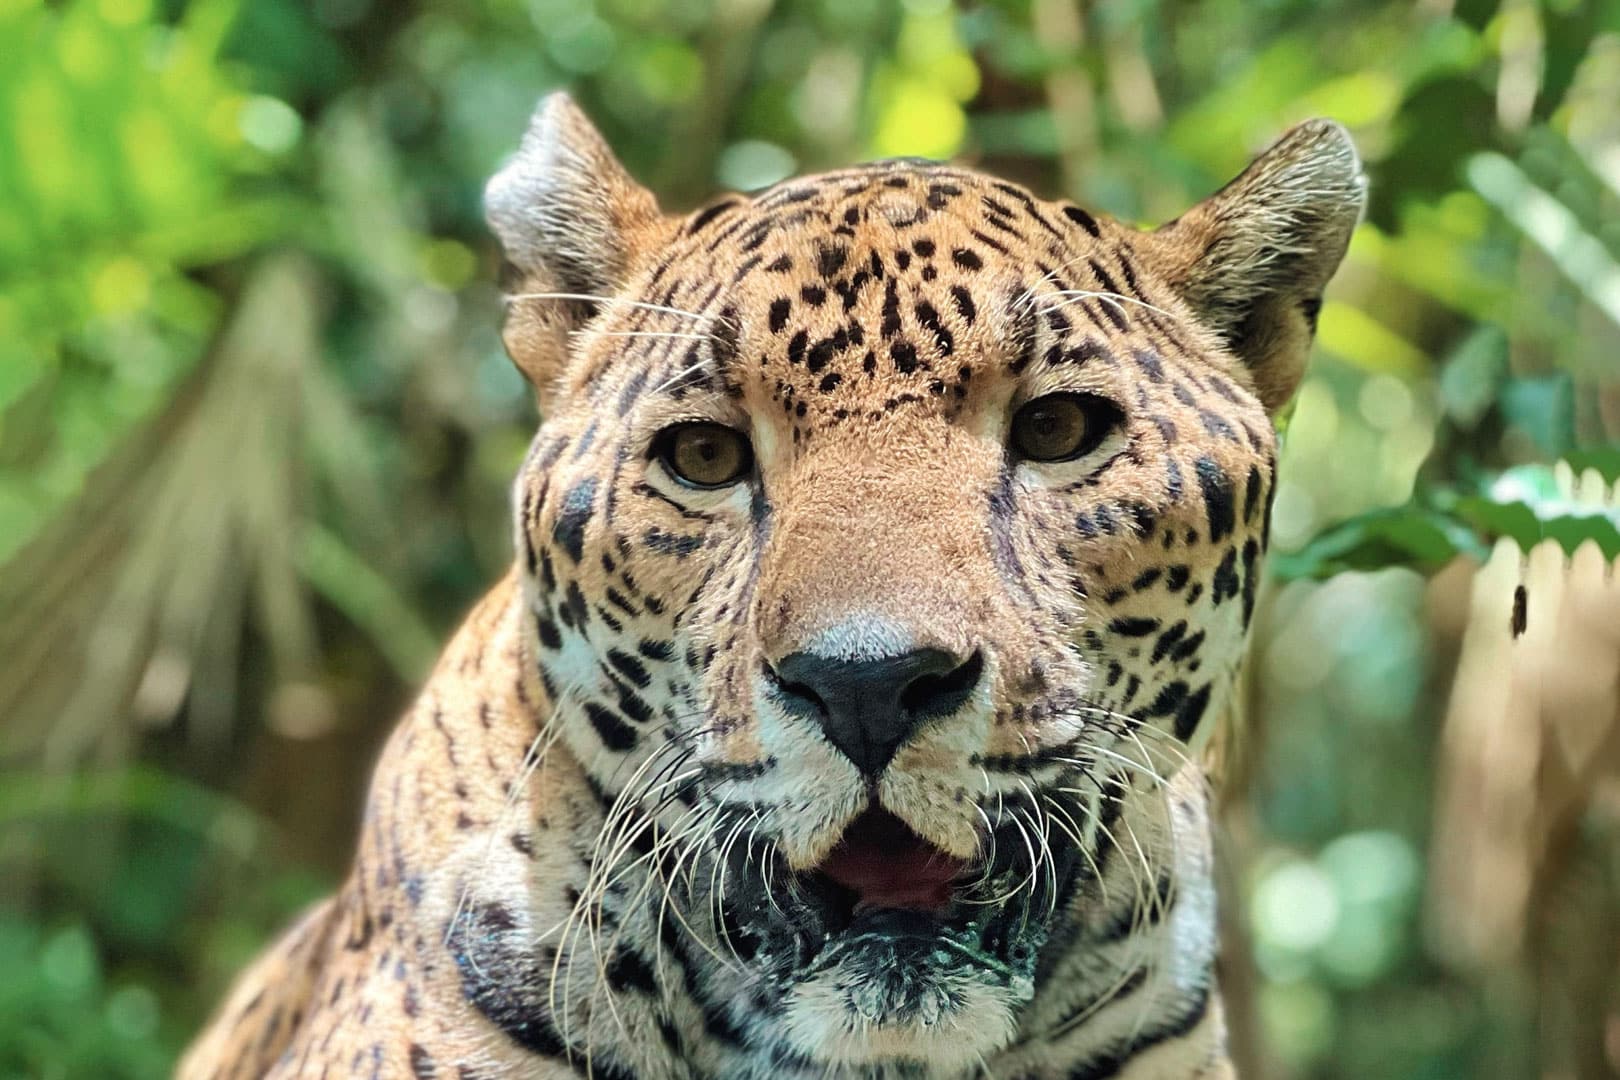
[(1409, 535), (1604, 459), (1528, 504)]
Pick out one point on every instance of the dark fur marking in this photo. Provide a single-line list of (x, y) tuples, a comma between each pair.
[(549, 635), (1168, 641), (626, 970), (574, 611), (574, 515), (780, 309), (611, 728), (655, 650), (630, 668), (1172, 480), (904, 355), (1148, 361), (1191, 712), (830, 259), (1216, 425), (1224, 584), (632, 391), (1187, 648), (1087, 350), (928, 317), (822, 351), (1251, 577), (1082, 219), (1217, 488), (964, 304), (1168, 700), (989, 241), (890, 325), (703, 217)]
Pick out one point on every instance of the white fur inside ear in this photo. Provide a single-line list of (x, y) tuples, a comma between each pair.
[(563, 205), (1253, 259), (1298, 202)]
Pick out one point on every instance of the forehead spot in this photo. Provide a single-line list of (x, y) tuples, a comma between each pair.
[(831, 258)]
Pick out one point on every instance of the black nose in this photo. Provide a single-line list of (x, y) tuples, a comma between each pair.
[(868, 708)]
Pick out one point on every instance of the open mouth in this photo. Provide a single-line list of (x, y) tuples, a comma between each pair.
[(884, 895), (892, 947), (904, 951), (880, 864)]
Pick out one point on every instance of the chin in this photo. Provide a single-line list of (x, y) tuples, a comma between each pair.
[(902, 986), (901, 953)]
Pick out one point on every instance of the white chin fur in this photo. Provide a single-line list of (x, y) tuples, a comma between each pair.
[(827, 1019)]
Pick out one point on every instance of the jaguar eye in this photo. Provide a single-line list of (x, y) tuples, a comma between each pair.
[(703, 455), (1062, 427)]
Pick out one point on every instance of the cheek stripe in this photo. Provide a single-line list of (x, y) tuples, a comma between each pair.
[(573, 516), (1217, 488)]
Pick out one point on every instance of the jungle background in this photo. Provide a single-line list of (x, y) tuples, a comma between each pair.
[(256, 432)]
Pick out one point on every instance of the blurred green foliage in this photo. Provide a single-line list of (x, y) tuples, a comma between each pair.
[(244, 279)]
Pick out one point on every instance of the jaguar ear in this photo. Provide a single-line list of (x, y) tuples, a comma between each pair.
[(570, 221), (1252, 259)]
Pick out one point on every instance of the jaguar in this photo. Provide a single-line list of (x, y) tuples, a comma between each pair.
[(883, 562)]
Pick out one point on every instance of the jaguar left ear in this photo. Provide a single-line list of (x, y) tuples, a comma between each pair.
[(1252, 259), (571, 221)]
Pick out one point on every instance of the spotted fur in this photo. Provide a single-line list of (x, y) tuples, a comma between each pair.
[(588, 848)]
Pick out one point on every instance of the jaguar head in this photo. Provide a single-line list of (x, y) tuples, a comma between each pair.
[(887, 533)]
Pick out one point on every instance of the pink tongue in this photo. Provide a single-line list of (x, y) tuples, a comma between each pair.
[(889, 868)]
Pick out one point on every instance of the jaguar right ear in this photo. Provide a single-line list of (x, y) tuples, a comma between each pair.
[(1252, 259), (573, 225)]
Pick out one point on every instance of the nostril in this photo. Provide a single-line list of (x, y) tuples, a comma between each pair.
[(937, 695), (796, 696)]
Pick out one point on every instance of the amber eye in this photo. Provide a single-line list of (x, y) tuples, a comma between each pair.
[(704, 455), (1061, 427)]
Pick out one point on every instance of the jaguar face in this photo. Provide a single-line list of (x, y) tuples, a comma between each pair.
[(888, 533)]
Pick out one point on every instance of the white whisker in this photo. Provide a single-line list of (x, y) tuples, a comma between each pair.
[(591, 297)]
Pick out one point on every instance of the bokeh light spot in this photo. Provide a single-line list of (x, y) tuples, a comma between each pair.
[(448, 263), (132, 1012), (919, 121), (124, 12), (122, 285), (753, 164), (1295, 906), (269, 124), (1385, 402), (582, 44)]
